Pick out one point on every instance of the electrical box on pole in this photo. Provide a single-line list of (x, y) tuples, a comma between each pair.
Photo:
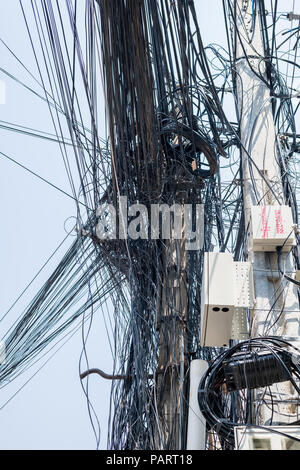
[(272, 226), (227, 291), (267, 438)]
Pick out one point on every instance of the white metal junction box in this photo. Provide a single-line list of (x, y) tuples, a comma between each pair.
[(269, 438), (227, 290), (272, 226)]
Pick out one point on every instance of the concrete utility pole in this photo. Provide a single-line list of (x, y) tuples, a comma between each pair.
[(171, 381), (276, 312)]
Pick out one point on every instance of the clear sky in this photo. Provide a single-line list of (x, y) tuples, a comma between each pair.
[(50, 412)]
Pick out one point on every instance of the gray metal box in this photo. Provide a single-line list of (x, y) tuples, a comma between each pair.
[(227, 290), (272, 226)]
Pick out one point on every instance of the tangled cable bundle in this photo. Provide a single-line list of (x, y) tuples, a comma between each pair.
[(172, 136), (225, 389)]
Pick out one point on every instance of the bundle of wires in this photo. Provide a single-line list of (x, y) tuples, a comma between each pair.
[(170, 137), (224, 393), (81, 282)]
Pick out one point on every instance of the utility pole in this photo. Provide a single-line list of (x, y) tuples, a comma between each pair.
[(172, 320), (276, 312)]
